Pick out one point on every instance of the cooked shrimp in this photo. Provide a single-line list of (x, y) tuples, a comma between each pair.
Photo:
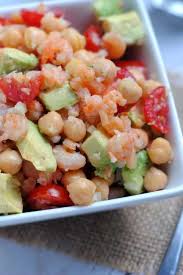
[(13, 126), (140, 138), (114, 45), (35, 110), (111, 123), (111, 100), (55, 50), (51, 23), (105, 70), (68, 161), (70, 145), (121, 147), (85, 56), (53, 76), (91, 109)]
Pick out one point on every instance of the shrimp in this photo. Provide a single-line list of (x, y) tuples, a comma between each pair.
[(91, 109), (85, 56), (111, 100), (70, 145), (53, 76), (35, 110), (51, 23), (12, 36), (121, 148), (55, 50), (68, 161), (140, 138), (33, 37), (111, 123), (13, 126)]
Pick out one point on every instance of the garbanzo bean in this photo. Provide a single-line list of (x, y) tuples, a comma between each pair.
[(130, 90), (72, 175), (160, 151), (102, 186), (10, 161), (51, 124), (81, 191), (155, 180), (33, 37), (149, 85), (114, 45), (74, 129)]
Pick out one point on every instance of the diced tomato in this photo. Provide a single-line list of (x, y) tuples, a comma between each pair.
[(24, 91), (93, 38), (48, 196), (123, 73), (156, 110), (4, 21), (31, 18), (126, 108), (132, 64)]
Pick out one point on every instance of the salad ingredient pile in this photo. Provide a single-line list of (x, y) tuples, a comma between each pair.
[(75, 110)]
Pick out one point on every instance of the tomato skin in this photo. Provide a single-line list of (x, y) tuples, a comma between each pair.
[(156, 110), (123, 73), (48, 196), (93, 38), (13, 89), (132, 64), (126, 108), (31, 18)]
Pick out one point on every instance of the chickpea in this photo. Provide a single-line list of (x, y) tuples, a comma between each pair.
[(114, 45), (102, 187), (104, 69), (130, 90), (12, 37), (74, 129), (51, 124), (10, 161), (141, 139), (76, 40), (81, 191), (155, 180), (160, 151), (72, 175), (149, 85), (33, 37)]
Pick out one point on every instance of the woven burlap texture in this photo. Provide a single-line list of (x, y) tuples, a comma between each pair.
[(131, 239)]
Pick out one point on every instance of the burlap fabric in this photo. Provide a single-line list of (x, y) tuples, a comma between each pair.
[(131, 239)]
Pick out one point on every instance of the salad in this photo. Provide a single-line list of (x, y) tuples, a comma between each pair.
[(78, 115)]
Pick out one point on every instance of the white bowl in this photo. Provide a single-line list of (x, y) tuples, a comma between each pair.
[(80, 14)]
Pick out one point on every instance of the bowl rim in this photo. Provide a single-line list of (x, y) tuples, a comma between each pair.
[(41, 215)]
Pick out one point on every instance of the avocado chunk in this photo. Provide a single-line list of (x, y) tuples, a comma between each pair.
[(10, 196), (136, 116), (59, 98), (95, 147), (35, 148), (16, 60), (106, 172), (106, 8), (128, 25), (133, 178)]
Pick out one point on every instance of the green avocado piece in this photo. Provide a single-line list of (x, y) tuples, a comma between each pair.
[(59, 98), (136, 118), (106, 172), (10, 196), (35, 148), (133, 178), (106, 8), (128, 25), (95, 147), (16, 60)]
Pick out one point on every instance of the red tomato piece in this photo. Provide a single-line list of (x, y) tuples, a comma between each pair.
[(156, 110), (133, 64), (126, 108), (24, 91), (48, 196), (31, 18), (93, 38), (124, 73)]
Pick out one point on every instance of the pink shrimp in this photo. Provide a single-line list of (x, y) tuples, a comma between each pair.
[(91, 109), (111, 123), (111, 100), (121, 148)]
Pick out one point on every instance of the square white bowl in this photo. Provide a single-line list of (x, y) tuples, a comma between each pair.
[(79, 12)]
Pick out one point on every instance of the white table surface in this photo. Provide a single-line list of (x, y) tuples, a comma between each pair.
[(33, 260)]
